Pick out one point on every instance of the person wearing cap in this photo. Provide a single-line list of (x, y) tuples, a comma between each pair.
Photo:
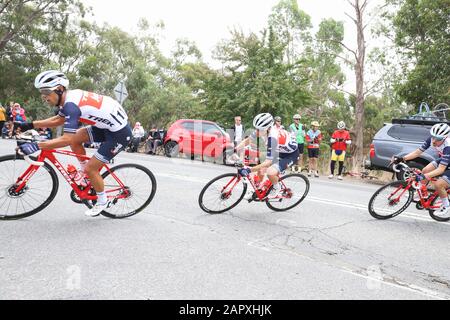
[(340, 140), (313, 138), (278, 122), (299, 132)]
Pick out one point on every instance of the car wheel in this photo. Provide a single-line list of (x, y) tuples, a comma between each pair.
[(171, 149), (402, 175)]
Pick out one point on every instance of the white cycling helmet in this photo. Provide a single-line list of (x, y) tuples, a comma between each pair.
[(341, 125), (440, 131), (51, 79), (263, 121), (297, 117)]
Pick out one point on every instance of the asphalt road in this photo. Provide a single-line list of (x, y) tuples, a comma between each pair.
[(329, 247)]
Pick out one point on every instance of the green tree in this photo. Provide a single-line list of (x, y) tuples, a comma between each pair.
[(423, 37)]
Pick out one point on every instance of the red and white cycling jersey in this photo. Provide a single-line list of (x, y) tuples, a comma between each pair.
[(279, 142), (99, 111)]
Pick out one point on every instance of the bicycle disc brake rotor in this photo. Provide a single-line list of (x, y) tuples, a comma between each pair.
[(12, 191)]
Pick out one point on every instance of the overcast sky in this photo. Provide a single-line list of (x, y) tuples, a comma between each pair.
[(206, 22)]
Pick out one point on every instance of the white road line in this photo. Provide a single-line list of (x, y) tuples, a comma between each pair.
[(405, 214)]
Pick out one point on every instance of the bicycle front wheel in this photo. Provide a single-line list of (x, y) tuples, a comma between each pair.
[(37, 194), (390, 200), (222, 194), (434, 206), (295, 189), (130, 188)]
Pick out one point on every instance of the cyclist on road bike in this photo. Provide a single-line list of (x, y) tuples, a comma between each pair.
[(440, 142), (282, 150), (108, 123)]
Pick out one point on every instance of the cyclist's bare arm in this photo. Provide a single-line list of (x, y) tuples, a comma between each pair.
[(63, 141), (413, 155), (52, 122), (243, 144)]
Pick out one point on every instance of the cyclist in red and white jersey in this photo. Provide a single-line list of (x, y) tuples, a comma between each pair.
[(107, 120), (282, 150)]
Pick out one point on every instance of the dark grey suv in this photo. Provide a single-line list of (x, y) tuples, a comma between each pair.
[(400, 137)]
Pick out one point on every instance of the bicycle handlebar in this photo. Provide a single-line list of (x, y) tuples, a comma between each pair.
[(405, 166), (32, 162), (27, 158)]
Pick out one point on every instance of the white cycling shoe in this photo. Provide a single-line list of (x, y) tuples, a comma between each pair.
[(97, 209), (443, 212)]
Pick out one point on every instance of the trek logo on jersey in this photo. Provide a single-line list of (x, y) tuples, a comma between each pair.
[(102, 120)]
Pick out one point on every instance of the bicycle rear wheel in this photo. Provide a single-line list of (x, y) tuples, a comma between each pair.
[(37, 194), (221, 194), (390, 200), (295, 189), (132, 194)]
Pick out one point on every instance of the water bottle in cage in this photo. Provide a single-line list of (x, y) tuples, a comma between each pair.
[(77, 176)]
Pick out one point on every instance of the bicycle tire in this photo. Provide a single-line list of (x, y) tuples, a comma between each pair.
[(205, 188), (305, 193), (46, 202), (394, 184), (133, 211), (431, 212)]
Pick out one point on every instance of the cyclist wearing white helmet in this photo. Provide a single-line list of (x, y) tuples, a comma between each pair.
[(106, 117), (299, 132), (282, 150), (340, 139), (439, 142)]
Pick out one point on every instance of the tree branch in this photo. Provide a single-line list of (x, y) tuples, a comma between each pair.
[(342, 90), (6, 4), (342, 44)]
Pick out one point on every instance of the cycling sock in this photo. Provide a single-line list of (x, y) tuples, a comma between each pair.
[(332, 166), (341, 167), (102, 199), (445, 202)]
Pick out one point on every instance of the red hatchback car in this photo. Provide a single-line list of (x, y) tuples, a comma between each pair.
[(200, 138)]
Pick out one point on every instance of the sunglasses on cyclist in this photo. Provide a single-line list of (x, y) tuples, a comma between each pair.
[(46, 92), (437, 139)]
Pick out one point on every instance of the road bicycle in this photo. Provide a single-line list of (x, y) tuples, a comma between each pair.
[(224, 192), (28, 184), (395, 197)]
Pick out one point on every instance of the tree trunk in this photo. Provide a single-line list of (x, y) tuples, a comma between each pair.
[(358, 157)]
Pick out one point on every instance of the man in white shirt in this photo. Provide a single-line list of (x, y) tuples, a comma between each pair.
[(238, 130)]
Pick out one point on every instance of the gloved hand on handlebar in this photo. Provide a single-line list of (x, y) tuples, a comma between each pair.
[(24, 126), (245, 171), (29, 148), (420, 177), (397, 160)]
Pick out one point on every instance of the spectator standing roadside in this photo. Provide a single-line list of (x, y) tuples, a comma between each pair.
[(238, 130), (278, 123), (9, 109), (18, 113), (3, 118), (340, 140), (314, 138), (298, 131)]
